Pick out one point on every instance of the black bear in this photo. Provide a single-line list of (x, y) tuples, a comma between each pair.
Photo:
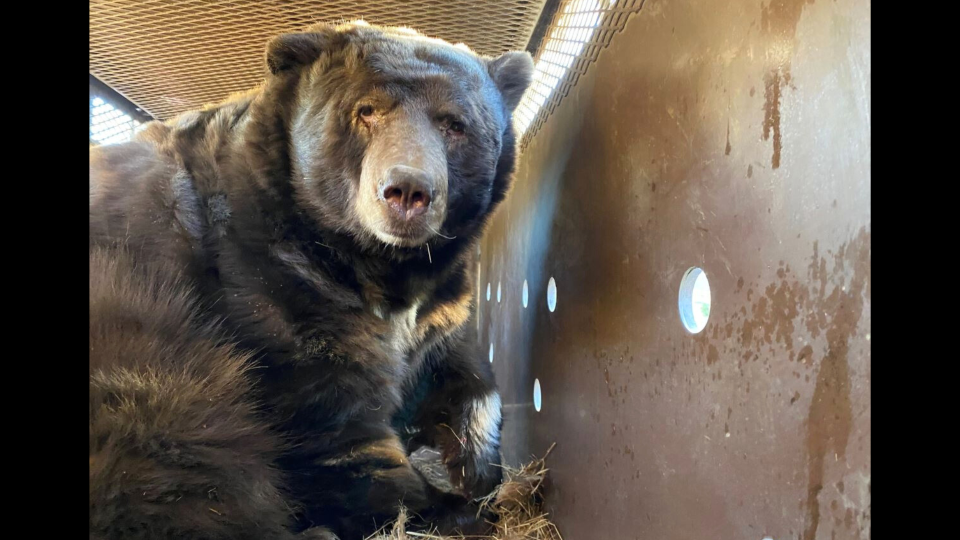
[(280, 290)]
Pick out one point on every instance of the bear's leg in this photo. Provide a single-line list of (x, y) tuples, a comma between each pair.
[(466, 430), (460, 415), (171, 457), (177, 449), (366, 483)]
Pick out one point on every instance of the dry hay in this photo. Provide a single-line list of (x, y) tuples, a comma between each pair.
[(516, 502)]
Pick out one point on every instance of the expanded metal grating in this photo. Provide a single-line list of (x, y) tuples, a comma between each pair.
[(108, 124), (169, 56), (578, 31), (175, 55), (113, 119)]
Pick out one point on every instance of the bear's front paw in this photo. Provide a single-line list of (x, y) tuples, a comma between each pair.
[(467, 521), (471, 446), (453, 515), (318, 533), (474, 468), (474, 476)]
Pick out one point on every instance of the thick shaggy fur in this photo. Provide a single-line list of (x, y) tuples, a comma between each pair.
[(266, 345)]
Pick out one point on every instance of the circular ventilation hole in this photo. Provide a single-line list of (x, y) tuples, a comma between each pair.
[(488, 292), (694, 300), (552, 294), (491, 353), (498, 292), (536, 395), (526, 293)]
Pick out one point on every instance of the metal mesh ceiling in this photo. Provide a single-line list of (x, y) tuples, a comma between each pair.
[(175, 55), (578, 31), (168, 56)]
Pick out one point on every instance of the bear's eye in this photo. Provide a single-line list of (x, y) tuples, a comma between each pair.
[(457, 127), (450, 125), (366, 112)]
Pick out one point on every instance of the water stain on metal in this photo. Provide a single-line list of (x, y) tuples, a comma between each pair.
[(830, 419), (727, 150), (773, 85), (713, 355), (778, 20)]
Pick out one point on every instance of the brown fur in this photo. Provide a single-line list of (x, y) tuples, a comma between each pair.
[(267, 341)]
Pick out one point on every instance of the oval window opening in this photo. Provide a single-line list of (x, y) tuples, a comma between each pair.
[(536, 395), (552, 294), (694, 301)]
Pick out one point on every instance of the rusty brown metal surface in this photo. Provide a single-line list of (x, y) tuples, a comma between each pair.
[(733, 136)]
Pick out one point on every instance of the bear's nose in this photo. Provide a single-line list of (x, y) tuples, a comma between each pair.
[(407, 191)]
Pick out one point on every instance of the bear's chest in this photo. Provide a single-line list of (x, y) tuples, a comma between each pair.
[(398, 329)]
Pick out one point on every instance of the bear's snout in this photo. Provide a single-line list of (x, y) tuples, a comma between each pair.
[(407, 191)]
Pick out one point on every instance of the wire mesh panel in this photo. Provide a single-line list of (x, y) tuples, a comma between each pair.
[(168, 56), (113, 119), (579, 30), (109, 124)]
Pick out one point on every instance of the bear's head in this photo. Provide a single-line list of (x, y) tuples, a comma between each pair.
[(395, 138)]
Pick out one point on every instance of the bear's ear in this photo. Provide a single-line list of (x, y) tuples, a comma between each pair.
[(290, 51), (512, 73)]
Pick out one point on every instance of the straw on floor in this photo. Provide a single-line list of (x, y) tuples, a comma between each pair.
[(517, 503)]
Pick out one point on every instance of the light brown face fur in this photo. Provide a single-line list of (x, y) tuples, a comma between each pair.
[(403, 141), (393, 132)]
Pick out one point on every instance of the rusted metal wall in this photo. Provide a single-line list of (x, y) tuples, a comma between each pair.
[(733, 136)]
